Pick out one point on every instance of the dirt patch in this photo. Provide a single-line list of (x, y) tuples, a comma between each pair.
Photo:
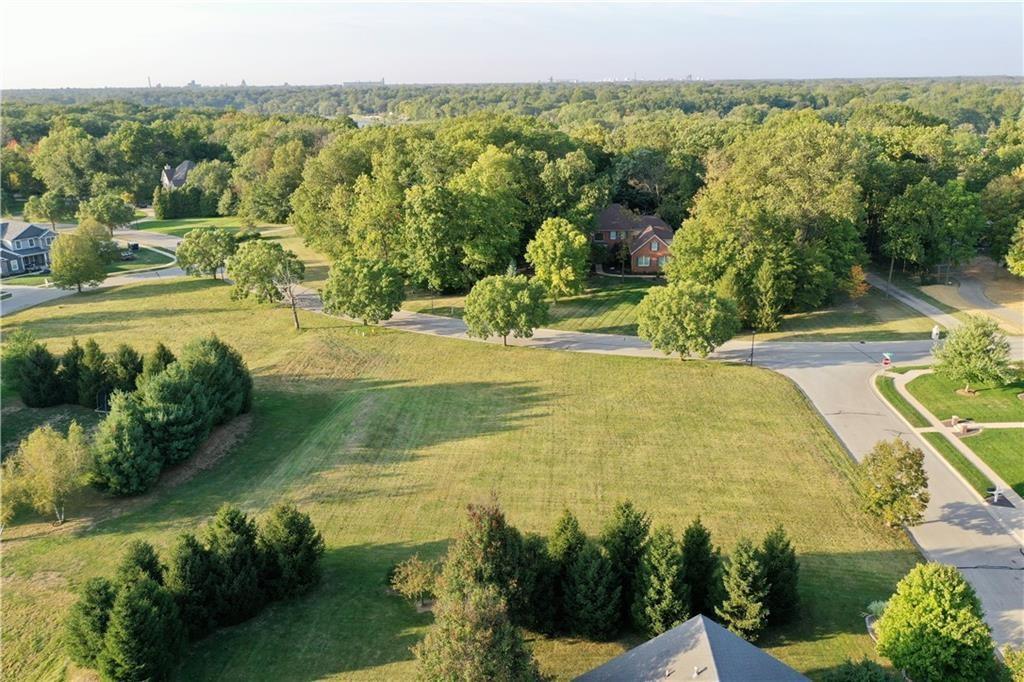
[(220, 443), (966, 393)]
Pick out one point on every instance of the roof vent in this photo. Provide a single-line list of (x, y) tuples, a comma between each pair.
[(698, 670)]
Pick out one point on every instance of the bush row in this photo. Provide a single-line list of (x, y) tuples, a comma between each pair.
[(134, 626), (169, 416), (185, 202), (632, 577)]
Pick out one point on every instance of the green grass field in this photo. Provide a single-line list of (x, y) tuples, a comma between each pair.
[(978, 480), (887, 388), (608, 306), (384, 437), (1003, 450), (145, 258), (993, 403), (181, 226)]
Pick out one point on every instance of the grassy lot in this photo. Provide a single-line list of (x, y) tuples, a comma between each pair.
[(19, 420), (383, 437), (145, 258), (1003, 450), (992, 403), (181, 226), (608, 306), (978, 480), (887, 388)]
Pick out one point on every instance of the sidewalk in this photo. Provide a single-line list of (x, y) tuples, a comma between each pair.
[(923, 307)]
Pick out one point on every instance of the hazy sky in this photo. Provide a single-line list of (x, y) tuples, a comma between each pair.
[(89, 43)]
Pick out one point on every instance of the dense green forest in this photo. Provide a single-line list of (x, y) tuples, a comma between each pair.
[(782, 190)]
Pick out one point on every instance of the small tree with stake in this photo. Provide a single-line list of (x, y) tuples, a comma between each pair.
[(974, 353), (264, 271)]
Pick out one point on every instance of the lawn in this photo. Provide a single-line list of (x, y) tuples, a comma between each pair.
[(993, 403), (179, 227), (144, 258), (1003, 450), (978, 480), (384, 436), (887, 387)]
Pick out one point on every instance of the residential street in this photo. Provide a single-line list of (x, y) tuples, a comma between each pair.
[(837, 378)]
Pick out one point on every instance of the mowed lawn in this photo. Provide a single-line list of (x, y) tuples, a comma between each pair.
[(384, 437), (1003, 450), (608, 306), (992, 403), (179, 227)]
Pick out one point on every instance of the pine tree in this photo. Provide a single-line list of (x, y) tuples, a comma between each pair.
[(87, 621), (177, 413), (156, 361), (769, 299), (70, 370), (144, 636), (139, 561), (292, 548), (222, 373), (662, 599), (94, 378), (192, 580), (537, 583), (125, 461), (592, 594), (564, 543), (623, 538), (474, 639), (38, 378), (232, 539), (125, 367), (782, 572), (744, 611), (702, 569)]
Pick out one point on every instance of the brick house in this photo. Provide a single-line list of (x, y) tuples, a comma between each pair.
[(647, 237)]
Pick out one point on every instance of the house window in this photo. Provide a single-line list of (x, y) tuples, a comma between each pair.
[(662, 260), (599, 236), (654, 245), (643, 261), (613, 235), (14, 266), (49, 240), (17, 244), (31, 243)]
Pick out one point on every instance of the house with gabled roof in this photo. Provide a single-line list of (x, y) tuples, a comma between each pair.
[(174, 178), (24, 247), (647, 237), (699, 649)]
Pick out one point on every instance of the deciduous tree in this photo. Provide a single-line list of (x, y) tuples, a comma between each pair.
[(51, 467), (558, 254), (75, 261), (205, 250), (109, 210), (895, 484), (364, 289), (975, 352), (686, 318), (264, 271), (49, 207), (500, 305), (414, 579)]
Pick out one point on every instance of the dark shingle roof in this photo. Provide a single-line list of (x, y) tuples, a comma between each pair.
[(11, 230), (699, 649), (662, 233), (618, 217)]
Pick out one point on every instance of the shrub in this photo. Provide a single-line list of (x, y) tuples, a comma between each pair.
[(877, 608), (192, 580), (232, 540), (414, 579), (744, 611), (662, 598), (862, 671), (144, 636), (592, 594), (87, 621), (292, 549), (125, 461), (933, 627), (176, 413), (782, 572)]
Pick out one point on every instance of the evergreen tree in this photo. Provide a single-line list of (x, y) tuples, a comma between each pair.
[(125, 462), (623, 538), (232, 540), (473, 639), (702, 569), (40, 384), (125, 367), (768, 297), (192, 580), (782, 572), (538, 584), (176, 412), (87, 621), (94, 378), (744, 611), (16, 348), (70, 370), (156, 360), (292, 548), (564, 543), (222, 373), (144, 636), (140, 561), (592, 594), (662, 599)]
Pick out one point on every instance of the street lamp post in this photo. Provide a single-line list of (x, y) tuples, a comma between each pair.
[(753, 333)]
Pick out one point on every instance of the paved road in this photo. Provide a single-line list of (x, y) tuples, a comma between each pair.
[(837, 379), (973, 291), (923, 307)]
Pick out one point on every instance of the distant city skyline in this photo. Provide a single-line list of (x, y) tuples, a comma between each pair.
[(117, 45)]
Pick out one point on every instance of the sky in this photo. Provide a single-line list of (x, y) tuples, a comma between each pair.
[(96, 44)]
